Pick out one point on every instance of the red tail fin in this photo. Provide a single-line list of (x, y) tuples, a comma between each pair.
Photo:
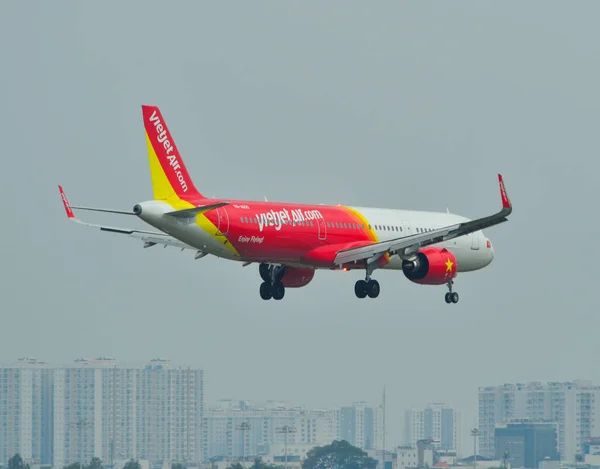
[(169, 175)]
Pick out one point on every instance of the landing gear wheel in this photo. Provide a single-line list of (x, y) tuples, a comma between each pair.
[(278, 291), (373, 289), (360, 289), (263, 270), (265, 291), (451, 296)]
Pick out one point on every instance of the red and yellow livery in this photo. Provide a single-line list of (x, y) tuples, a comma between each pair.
[(290, 241)]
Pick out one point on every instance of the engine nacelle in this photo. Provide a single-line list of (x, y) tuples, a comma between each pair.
[(432, 266), (296, 277)]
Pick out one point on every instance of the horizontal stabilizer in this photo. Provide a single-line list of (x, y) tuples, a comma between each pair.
[(150, 238), (188, 212), (69, 208)]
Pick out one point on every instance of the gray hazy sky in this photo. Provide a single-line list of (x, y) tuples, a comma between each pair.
[(401, 105)]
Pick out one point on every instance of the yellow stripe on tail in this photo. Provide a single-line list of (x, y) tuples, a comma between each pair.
[(170, 178), (160, 183)]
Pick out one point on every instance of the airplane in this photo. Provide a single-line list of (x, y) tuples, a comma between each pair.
[(290, 241)]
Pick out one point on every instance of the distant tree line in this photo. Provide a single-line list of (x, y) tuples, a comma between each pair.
[(337, 455)]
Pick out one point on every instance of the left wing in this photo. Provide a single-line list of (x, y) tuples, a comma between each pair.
[(411, 244), (150, 238)]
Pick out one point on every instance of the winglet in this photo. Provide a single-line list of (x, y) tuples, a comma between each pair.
[(66, 203), (505, 200)]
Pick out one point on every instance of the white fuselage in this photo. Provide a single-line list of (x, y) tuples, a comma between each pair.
[(471, 251)]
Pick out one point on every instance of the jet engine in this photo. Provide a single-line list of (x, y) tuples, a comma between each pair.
[(430, 266)]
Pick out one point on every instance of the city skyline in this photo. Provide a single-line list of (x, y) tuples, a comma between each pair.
[(45, 391), (112, 412)]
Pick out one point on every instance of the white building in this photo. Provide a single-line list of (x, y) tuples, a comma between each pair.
[(573, 405), (294, 454), (93, 408), (244, 430), (169, 403), (25, 418), (407, 456), (436, 421)]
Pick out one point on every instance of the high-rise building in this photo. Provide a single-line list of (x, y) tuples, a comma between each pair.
[(574, 406), (26, 411), (438, 422), (361, 425), (527, 443), (93, 406), (169, 403)]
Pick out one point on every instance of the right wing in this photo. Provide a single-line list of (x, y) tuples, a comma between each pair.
[(411, 244), (150, 238)]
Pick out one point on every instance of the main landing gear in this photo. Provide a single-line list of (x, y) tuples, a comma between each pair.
[(451, 297), (369, 287), (271, 286)]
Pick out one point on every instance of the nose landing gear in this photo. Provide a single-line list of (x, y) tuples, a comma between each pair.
[(451, 297)]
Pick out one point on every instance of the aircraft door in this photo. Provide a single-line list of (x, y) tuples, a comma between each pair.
[(475, 241), (406, 228), (322, 227), (222, 221)]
